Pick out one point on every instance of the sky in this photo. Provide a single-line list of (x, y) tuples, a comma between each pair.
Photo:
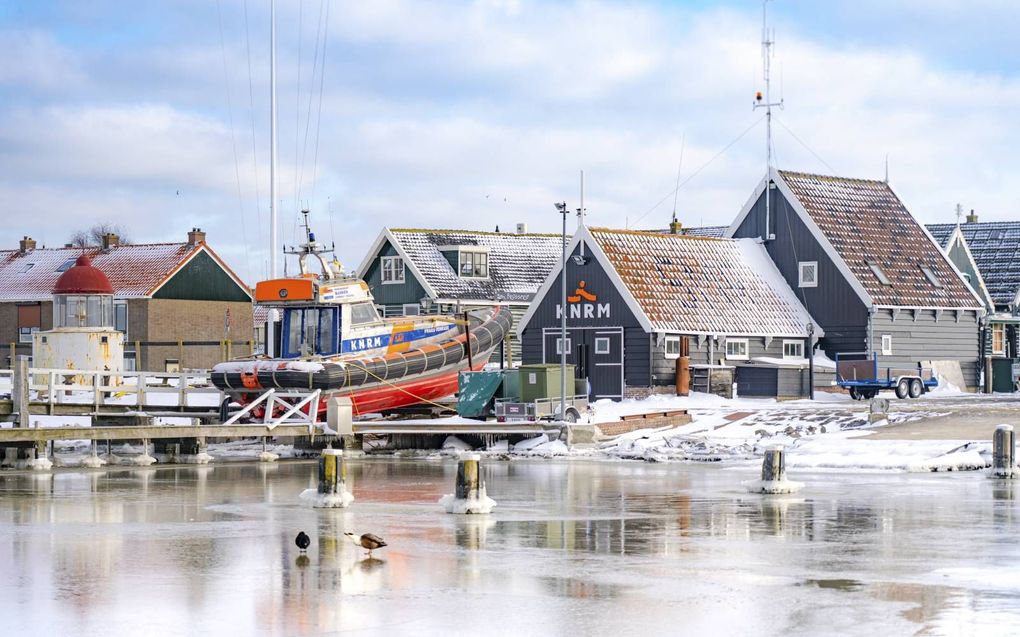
[(155, 115)]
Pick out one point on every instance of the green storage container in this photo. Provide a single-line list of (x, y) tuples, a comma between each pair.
[(543, 381), (511, 387)]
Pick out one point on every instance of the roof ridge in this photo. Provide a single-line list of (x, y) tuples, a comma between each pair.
[(485, 232), (796, 173), (650, 233)]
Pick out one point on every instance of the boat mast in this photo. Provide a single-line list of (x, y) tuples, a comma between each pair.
[(273, 268)]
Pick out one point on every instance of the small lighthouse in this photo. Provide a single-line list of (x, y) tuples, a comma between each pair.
[(83, 336)]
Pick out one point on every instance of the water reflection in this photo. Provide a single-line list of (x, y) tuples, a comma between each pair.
[(216, 542)]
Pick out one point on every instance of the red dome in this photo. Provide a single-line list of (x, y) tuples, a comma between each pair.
[(83, 278)]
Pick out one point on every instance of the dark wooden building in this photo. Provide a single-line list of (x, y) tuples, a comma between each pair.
[(874, 278), (636, 299)]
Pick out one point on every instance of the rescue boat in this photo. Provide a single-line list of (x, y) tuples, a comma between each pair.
[(333, 339)]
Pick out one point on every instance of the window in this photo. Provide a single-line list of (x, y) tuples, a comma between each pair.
[(672, 347), (602, 345), (559, 346), (474, 265), (808, 274), (793, 349), (886, 345), (736, 348), (412, 309), (999, 339), (930, 275), (29, 321), (130, 362), (363, 313), (66, 265), (392, 270), (25, 268), (120, 317), (310, 331), (877, 271)]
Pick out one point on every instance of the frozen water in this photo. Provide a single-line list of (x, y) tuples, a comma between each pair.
[(576, 547), (463, 506), (340, 500)]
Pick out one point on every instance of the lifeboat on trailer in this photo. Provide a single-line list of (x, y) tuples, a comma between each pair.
[(332, 339)]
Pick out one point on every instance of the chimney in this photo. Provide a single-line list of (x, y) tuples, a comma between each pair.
[(522, 228), (196, 236), (972, 218), (674, 227), (26, 245), (110, 241)]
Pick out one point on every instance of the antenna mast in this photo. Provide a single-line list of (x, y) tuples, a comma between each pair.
[(766, 53), (273, 269)]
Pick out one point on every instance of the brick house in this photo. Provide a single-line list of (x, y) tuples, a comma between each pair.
[(179, 304)]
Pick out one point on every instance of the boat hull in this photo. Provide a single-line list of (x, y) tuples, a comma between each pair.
[(418, 375)]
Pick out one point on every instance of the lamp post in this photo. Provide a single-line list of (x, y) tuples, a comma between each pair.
[(811, 359), (562, 209)]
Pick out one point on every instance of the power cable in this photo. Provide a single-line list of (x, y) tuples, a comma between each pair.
[(804, 144)]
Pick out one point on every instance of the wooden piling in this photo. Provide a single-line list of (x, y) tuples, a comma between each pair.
[(332, 472), (20, 396), (1003, 452), (773, 465), (468, 479)]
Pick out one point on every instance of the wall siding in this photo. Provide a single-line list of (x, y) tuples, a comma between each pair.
[(202, 279), (923, 338), (833, 303), (392, 294)]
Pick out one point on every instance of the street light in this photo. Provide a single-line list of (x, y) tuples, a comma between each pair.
[(811, 359), (562, 209)]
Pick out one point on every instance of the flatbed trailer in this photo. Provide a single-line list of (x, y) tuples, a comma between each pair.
[(860, 373)]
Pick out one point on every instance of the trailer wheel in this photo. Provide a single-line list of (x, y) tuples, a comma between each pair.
[(916, 388), (855, 394), (571, 415), (868, 394), (902, 389)]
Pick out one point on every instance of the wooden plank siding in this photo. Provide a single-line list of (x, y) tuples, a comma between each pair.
[(833, 302), (918, 336)]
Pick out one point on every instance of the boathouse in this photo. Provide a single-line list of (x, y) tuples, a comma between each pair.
[(413, 271), (636, 301), (875, 279), (988, 255), (178, 304)]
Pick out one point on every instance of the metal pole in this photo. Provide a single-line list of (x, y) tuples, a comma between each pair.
[(563, 314), (811, 360), (273, 269)]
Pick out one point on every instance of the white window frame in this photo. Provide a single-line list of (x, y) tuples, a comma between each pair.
[(475, 263), (559, 345), (127, 318), (415, 309), (887, 345), (388, 270), (737, 341), (671, 340), (799, 349), (879, 273), (602, 345), (1001, 328), (25, 334), (801, 280)]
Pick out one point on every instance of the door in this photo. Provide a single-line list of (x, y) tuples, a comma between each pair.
[(606, 368)]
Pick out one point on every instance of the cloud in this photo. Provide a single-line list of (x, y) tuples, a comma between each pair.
[(478, 114)]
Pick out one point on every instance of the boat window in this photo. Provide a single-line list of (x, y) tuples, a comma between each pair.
[(310, 331), (363, 313)]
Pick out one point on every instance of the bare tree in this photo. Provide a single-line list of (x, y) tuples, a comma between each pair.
[(93, 235)]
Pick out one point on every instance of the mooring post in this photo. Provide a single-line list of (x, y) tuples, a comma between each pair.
[(332, 472), (773, 466), (20, 397), (468, 478), (1003, 449)]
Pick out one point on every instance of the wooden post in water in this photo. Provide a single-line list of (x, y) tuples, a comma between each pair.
[(1003, 452), (332, 472), (773, 465), (468, 477), (20, 397)]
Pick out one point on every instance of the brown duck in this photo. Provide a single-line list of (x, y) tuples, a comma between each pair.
[(368, 541)]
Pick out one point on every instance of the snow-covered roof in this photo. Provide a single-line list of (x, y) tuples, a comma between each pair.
[(869, 227), (518, 263), (995, 248), (135, 270), (699, 285)]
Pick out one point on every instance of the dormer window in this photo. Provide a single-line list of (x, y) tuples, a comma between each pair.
[(930, 275), (392, 270), (474, 265), (877, 271)]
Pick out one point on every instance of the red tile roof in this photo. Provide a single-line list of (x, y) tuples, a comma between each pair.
[(703, 285), (866, 223), (134, 270)]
